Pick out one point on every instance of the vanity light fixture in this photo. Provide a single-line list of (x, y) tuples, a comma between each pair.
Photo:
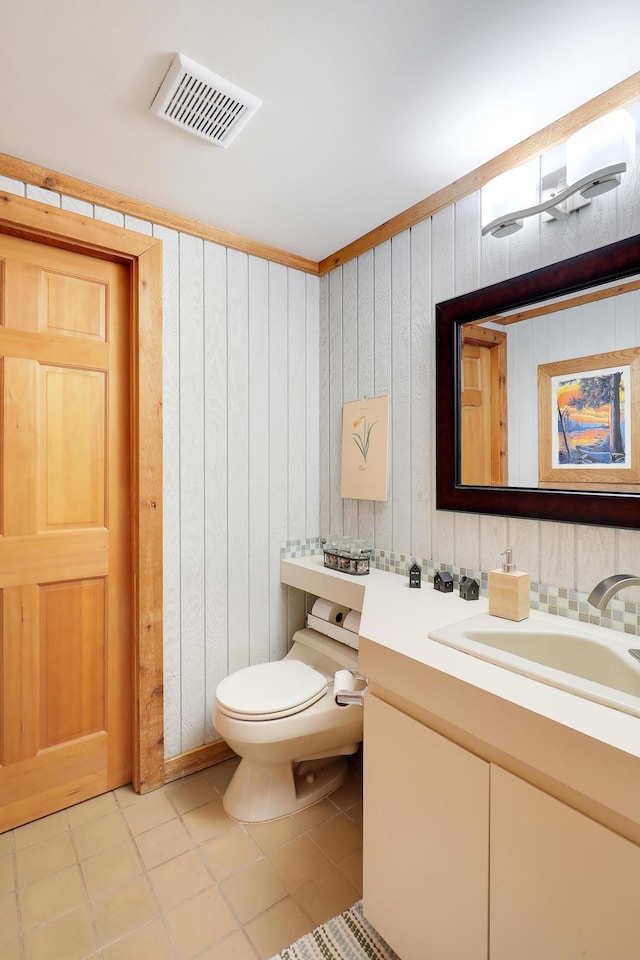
[(596, 157)]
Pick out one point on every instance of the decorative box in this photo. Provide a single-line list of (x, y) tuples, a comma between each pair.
[(347, 555)]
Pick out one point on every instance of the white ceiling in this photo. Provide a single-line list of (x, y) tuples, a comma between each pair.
[(369, 106)]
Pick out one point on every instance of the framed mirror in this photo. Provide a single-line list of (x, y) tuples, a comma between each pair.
[(538, 393)]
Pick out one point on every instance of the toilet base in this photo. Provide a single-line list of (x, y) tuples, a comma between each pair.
[(260, 792)]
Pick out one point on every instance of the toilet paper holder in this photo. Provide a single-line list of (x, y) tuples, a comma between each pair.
[(345, 691)]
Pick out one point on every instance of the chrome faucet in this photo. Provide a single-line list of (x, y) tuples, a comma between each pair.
[(603, 591)]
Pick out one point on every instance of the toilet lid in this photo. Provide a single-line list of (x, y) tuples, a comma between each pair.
[(268, 691)]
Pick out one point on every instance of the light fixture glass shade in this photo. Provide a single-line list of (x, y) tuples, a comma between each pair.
[(512, 190), (607, 141)]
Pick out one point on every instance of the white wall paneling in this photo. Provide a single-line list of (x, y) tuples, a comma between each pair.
[(440, 258)]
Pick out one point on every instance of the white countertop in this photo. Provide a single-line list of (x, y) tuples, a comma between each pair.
[(396, 652)]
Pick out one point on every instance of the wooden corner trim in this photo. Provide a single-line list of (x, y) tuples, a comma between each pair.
[(80, 190)]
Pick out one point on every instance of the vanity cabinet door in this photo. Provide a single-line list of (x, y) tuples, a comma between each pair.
[(426, 838), (562, 885)]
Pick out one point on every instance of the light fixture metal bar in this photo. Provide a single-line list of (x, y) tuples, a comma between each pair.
[(508, 219)]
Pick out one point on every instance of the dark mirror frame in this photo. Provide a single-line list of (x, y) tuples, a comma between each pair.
[(606, 264)]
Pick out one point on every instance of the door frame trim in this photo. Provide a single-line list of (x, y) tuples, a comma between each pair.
[(54, 226)]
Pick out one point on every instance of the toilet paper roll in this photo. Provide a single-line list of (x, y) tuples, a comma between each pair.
[(352, 621), (331, 612), (344, 680)]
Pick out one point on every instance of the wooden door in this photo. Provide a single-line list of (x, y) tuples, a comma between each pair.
[(483, 408), (65, 572)]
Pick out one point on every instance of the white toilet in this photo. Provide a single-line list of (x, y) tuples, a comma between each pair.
[(282, 720)]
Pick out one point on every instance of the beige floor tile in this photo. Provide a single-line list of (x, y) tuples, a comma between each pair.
[(109, 868), (313, 815), (69, 937), (355, 815), (254, 889), (229, 852), (149, 811), (221, 773), (151, 942), (274, 833), (351, 869), (278, 927), (179, 879), (126, 796), (12, 950), (200, 923), (337, 838), (191, 792), (40, 830), (298, 862), (6, 843), (42, 860), (348, 794), (326, 896), (208, 821), (92, 809), (100, 834), (7, 878), (8, 918), (234, 947), (124, 909), (47, 899), (163, 843)]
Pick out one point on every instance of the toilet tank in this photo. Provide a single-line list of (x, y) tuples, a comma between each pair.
[(322, 652)]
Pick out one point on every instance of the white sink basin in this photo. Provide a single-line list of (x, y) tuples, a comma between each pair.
[(593, 662)]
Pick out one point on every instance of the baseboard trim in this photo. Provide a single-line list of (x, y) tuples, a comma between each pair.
[(193, 760)]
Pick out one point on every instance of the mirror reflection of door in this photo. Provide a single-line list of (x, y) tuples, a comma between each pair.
[(483, 419)]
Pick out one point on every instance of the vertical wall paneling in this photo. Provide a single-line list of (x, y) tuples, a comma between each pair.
[(192, 567), (335, 399), (382, 374), (238, 457), (366, 370), (278, 451), (257, 560), (422, 408), (350, 366), (442, 272), (400, 418), (325, 413), (296, 392), (312, 407), (109, 216), (448, 256), (171, 488), (215, 474), (296, 427)]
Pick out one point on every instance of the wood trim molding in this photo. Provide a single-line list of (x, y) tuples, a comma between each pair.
[(45, 224), (622, 95), (198, 759), (89, 192)]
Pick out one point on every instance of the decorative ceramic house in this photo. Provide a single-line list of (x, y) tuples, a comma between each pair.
[(415, 575), (443, 581), (469, 589)]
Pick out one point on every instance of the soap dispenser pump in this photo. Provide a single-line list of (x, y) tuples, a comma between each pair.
[(508, 590)]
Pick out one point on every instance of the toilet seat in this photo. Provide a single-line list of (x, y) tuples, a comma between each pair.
[(268, 691)]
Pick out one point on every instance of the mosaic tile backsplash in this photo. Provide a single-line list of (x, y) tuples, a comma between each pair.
[(619, 615)]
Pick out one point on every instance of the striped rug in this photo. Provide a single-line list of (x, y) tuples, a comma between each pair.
[(347, 937)]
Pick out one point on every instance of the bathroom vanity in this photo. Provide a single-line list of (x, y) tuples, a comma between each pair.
[(501, 815)]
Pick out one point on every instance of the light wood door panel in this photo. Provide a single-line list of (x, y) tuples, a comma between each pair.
[(65, 543)]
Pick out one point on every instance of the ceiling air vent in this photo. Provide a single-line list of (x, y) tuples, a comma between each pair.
[(203, 103)]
